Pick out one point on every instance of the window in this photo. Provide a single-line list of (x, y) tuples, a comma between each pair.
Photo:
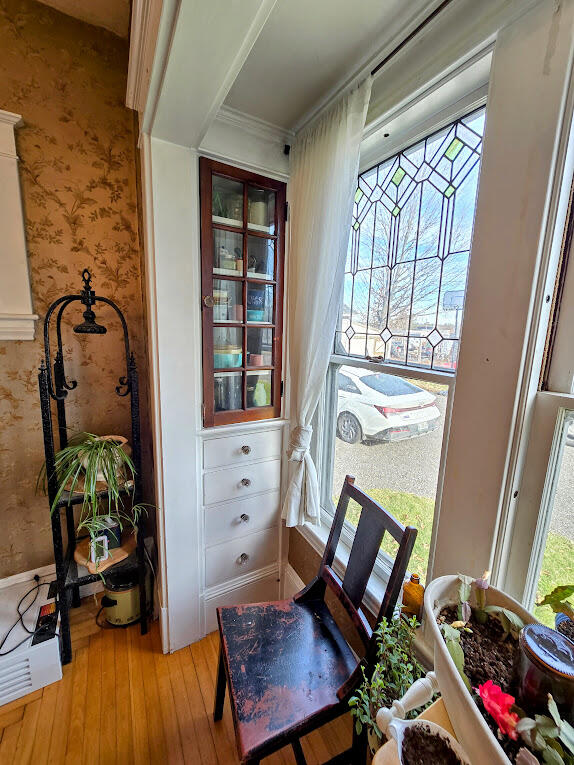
[(389, 386)]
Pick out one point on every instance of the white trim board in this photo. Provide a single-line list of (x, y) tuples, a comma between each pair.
[(48, 573), (16, 313)]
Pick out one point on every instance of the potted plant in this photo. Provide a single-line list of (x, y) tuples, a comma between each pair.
[(396, 670), (559, 602), (100, 468), (481, 670)]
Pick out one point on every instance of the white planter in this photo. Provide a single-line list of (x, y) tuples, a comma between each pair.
[(470, 728)]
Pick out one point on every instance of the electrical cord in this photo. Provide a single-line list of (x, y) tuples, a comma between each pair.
[(20, 619)]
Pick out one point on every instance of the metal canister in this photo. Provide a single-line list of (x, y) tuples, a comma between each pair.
[(546, 666), (121, 601)]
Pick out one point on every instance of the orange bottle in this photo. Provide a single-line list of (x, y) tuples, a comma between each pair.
[(413, 595)]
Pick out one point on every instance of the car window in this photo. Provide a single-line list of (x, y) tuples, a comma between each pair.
[(390, 385), (345, 383)]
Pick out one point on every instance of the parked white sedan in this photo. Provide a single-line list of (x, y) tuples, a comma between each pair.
[(373, 406)]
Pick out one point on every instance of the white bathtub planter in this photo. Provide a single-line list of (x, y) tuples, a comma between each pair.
[(471, 730)]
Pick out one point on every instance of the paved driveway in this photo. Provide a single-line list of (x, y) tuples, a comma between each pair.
[(412, 466)]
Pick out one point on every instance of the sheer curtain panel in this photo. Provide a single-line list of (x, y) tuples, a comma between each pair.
[(325, 160)]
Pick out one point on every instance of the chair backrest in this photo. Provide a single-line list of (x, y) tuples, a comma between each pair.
[(374, 521)]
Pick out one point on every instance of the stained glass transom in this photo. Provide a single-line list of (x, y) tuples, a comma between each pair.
[(409, 250)]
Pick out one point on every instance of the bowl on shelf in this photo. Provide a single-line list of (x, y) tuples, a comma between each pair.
[(255, 315), (227, 357)]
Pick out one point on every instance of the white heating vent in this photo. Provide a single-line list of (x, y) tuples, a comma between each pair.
[(27, 667)]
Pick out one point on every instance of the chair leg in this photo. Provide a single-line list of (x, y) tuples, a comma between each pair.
[(359, 747), (220, 688), (298, 751)]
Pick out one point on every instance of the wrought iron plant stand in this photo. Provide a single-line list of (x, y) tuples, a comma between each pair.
[(54, 386)]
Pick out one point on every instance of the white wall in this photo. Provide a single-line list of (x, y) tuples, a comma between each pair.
[(529, 78)]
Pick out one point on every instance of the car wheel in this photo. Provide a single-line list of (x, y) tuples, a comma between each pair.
[(349, 429)]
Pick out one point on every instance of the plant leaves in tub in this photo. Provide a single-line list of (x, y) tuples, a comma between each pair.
[(452, 639)]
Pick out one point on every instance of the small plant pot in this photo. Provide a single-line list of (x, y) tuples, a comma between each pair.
[(120, 441)]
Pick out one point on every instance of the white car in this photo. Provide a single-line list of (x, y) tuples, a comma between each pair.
[(373, 406)]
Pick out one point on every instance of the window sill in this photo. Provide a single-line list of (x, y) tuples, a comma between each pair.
[(317, 536)]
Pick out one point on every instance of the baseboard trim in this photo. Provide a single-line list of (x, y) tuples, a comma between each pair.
[(291, 582), (28, 576), (47, 573)]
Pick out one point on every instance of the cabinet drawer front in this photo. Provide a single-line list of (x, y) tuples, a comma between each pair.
[(242, 481), (254, 592), (241, 556), (233, 450), (234, 519)]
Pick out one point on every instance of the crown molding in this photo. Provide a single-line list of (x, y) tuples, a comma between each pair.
[(143, 36), (259, 128)]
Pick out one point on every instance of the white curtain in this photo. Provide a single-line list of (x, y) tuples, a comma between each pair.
[(325, 159)]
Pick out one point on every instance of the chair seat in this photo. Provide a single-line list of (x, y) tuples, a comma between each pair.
[(285, 662)]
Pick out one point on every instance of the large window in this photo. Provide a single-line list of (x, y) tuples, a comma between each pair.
[(390, 382)]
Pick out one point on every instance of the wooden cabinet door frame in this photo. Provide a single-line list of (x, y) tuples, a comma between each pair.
[(208, 168)]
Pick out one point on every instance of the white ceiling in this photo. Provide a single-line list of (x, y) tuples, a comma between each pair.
[(113, 15), (307, 47)]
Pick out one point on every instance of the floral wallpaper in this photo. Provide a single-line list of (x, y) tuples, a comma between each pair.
[(78, 174)]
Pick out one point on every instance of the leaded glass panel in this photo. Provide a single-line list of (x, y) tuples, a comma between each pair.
[(409, 250)]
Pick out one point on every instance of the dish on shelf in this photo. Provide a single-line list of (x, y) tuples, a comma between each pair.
[(227, 357)]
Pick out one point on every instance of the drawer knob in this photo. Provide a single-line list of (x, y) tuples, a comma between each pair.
[(243, 558), (244, 517), (245, 482), (245, 449)]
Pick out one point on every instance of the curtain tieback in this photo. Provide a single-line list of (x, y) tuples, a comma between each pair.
[(299, 442)]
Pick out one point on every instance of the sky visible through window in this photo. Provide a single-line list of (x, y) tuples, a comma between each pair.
[(409, 250)]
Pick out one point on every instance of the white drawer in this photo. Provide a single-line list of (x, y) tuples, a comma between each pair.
[(235, 519), (240, 482), (223, 562), (232, 450), (254, 592)]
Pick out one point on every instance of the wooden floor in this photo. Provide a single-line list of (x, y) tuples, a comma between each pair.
[(122, 701)]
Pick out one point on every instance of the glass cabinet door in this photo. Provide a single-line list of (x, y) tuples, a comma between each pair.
[(242, 245)]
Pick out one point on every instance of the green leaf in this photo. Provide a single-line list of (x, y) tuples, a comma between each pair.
[(553, 709), (558, 595), (527, 723), (457, 655), (450, 633), (551, 757), (546, 726)]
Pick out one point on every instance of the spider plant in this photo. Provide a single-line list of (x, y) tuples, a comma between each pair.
[(92, 457)]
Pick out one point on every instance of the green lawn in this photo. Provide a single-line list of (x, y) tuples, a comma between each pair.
[(557, 565)]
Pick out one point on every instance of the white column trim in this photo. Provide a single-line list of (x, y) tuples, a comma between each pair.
[(16, 312)]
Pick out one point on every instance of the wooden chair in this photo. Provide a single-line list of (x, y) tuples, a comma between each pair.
[(288, 667)]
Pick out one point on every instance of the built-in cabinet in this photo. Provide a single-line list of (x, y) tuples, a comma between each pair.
[(242, 252), (241, 512), (242, 258)]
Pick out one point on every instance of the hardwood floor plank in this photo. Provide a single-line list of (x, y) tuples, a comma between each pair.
[(23, 755), (208, 755), (137, 698), (45, 724), (124, 733), (187, 732), (59, 739), (156, 737), (91, 739), (9, 742), (78, 712), (11, 717), (108, 710), (167, 705), (226, 752)]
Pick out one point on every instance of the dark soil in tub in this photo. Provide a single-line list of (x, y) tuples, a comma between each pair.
[(421, 747), (567, 628), (486, 655)]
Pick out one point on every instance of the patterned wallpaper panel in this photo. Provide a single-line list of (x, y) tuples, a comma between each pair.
[(78, 173)]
